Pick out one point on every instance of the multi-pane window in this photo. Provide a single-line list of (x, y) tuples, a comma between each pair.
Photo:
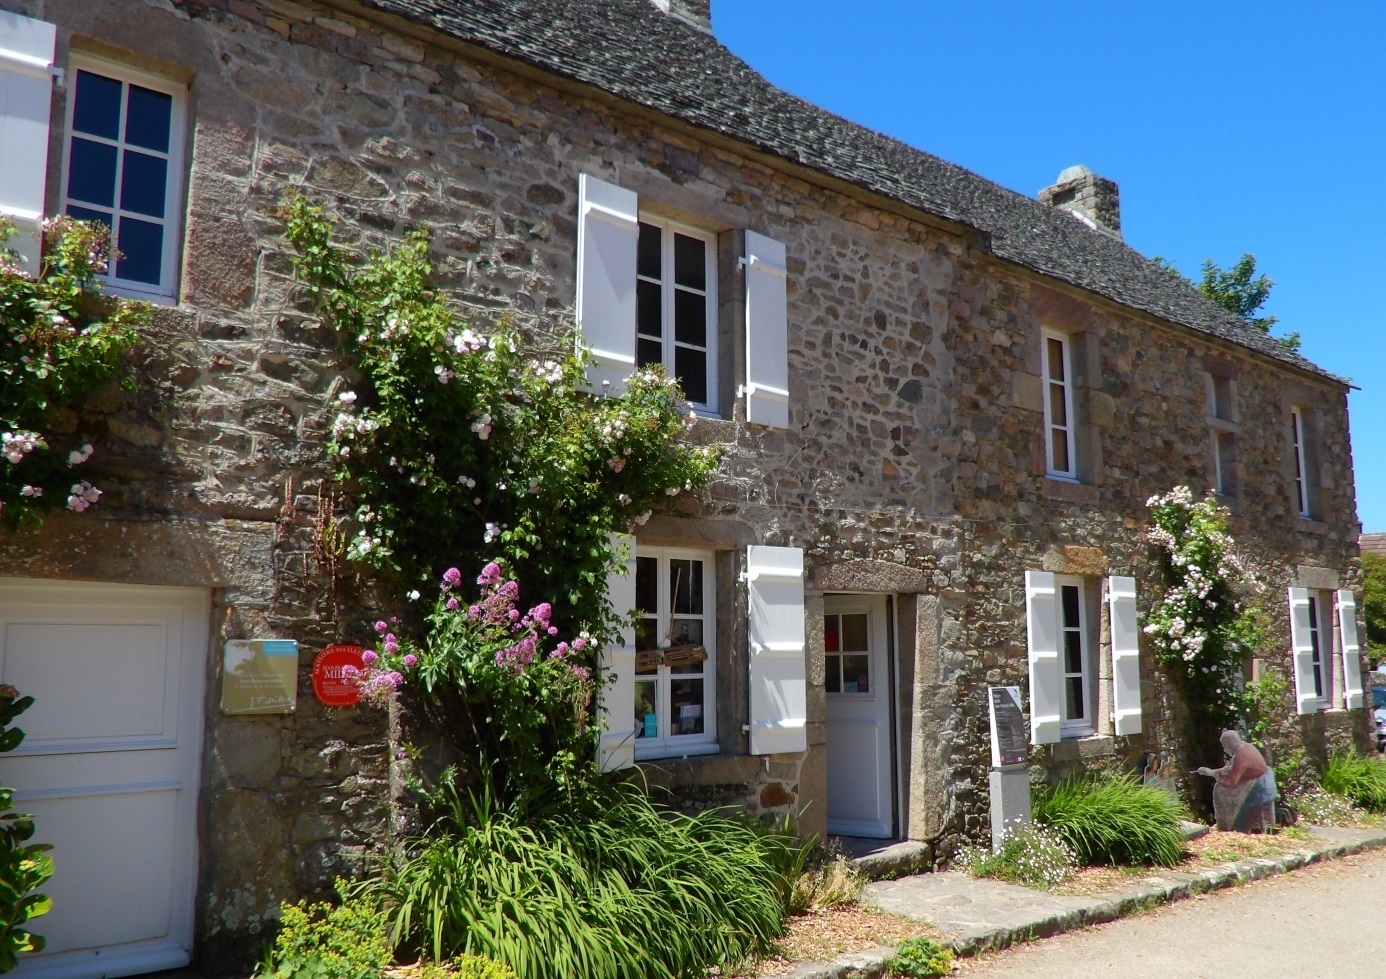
[(1058, 407), (1301, 469), (848, 656), (676, 306), (1074, 655), (1316, 637), (123, 168), (675, 695), (1222, 428)]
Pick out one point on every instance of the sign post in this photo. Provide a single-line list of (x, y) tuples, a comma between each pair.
[(1010, 771)]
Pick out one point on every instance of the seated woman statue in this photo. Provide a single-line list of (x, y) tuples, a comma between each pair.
[(1244, 797)]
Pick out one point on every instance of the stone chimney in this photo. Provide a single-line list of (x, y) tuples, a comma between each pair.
[(695, 12), (1093, 199)]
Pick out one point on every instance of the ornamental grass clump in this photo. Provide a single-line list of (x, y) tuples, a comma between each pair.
[(1030, 854), (1112, 820), (1362, 781)]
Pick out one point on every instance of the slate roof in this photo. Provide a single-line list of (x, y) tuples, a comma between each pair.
[(634, 51)]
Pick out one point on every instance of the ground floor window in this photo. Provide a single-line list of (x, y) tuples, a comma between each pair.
[(675, 660), (1075, 657)]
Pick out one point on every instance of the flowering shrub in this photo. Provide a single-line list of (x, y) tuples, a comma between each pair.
[(1030, 854), (457, 443), (1204, 623), (60, 339), (522, 694)]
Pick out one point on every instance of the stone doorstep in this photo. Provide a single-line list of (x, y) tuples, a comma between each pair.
[(984, 915), (878, 859)]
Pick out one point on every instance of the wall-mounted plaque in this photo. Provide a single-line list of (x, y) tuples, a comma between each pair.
[(259, 676), (1009, 742), (330, 681)]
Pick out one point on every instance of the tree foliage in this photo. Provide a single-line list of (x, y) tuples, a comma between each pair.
[(1374, 602), (1237, 289)]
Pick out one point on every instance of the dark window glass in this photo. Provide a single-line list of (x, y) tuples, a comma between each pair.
[(141, 246), (96, 109), (91, 172), (148, 117), (681, 632), (854, 632), (647, 637), (1056, 359), (649, 312), (686, 587), (1073, 653), (1075, 699), (648, 352), (690, 367), (856, 673), (1058, 405), (831, 642), (690, 262), (1060, 440), (832, 677), (1071, 611), (649, 259), (647, 584), (87, 214), (690, 318), (143, 180), (686, 707)]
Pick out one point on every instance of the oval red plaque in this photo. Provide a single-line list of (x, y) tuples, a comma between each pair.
[(332, 688)]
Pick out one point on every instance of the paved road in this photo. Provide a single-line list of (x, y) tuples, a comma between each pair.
[(1327, 921)]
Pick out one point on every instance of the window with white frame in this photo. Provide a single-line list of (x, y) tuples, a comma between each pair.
[(1075, 657), (1059, 446), (1320, 641), (847, 659), (675, 667), (1222, 431), (676, 306), (122, 166), (1297, 445)]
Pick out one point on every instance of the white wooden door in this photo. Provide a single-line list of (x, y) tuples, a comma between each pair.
[(109, 766), (857, 680)]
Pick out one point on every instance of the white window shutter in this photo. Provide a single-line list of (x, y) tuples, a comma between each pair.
[(779, 703), (617, 747), (26, 91), (608, 229), (1352, 649), (1126, 655), (767, 332), (1302, 652), (1042, 629)]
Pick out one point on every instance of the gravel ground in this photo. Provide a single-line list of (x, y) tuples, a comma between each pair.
[(1319, 922)]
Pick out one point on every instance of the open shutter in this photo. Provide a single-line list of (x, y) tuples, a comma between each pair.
[(1302, 652), (1352, 649), (767, 332), (608, 229), (617, 748), (1042, 630), (1126, 655), (26, 91), (779, 704)]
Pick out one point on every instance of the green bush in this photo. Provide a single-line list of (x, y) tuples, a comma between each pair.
[(1362, 781), (1030, 854), (24, 866), (467, 967), (326, 941), (916, 958), (1114, 820), (631, 890)]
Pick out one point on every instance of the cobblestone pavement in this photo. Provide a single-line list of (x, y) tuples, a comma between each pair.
[(1317, 922)]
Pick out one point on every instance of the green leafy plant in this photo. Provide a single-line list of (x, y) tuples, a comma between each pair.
[(624, 889), (457, 444), (920, 957), (24, 866), (1362, 781), (328, 941), (1112, 820), (1374, 604), (60, 339), (466, 967), (1030, 854)]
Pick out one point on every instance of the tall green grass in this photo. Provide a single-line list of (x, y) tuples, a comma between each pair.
[(1360, 780), (1112, 820), (639, 891)]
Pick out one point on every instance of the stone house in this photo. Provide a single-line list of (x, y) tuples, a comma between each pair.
[(941, 406)]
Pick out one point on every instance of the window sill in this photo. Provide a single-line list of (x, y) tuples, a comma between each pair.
[(1069, 491), (1083, 747), (667, 752), (1309, 525), (125, 292)]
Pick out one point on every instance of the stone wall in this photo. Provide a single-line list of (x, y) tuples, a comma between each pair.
[(909, 466)]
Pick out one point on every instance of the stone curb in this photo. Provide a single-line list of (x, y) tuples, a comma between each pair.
[(871, 963)]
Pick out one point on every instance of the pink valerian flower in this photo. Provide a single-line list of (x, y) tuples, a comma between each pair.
[(382, 626), (410, 661), (452, 578), (453, 604), (370, 657), (580, 672), (490, 575), (391, 645)]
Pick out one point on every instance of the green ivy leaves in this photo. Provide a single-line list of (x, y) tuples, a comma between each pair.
[(24, 866)]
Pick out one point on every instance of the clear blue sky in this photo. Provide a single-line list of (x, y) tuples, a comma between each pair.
[(1231, 127)]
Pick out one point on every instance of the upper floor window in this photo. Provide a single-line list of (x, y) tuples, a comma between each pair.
[(1059, 447), (1222, 431), (122, 166), (676, 303), (1298, 436)]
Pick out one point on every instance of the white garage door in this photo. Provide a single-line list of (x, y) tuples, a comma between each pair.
[(109, 766)]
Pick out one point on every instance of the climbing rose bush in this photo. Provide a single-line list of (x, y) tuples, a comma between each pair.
[(523, 693), (1204, 621), (60, 339)]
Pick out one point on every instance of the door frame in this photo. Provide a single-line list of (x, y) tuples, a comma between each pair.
[(897, 802)]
